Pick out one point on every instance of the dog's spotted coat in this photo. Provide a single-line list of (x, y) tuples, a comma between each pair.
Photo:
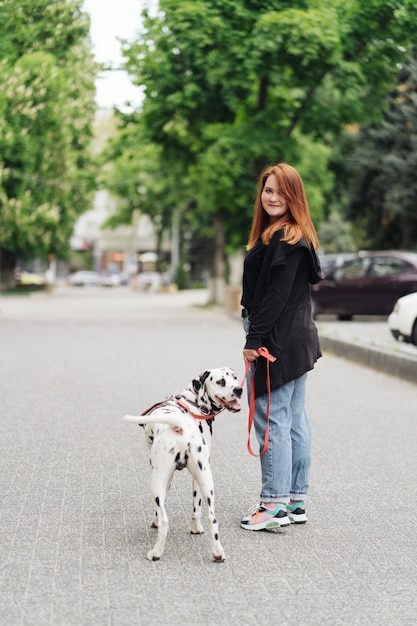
[(177, 438)]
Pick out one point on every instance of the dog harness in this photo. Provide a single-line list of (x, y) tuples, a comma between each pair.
[(177, 401)]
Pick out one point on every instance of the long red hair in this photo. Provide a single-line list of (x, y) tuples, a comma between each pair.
[(296, 223)]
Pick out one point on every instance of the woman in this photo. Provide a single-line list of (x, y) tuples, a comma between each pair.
[(278, 269)]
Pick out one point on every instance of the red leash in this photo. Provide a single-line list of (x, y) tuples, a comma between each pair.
[(269, 359)]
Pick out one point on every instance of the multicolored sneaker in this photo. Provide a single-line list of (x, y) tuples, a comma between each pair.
[(297, 512), (266, 519)]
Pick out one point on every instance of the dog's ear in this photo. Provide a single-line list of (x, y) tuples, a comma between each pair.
[(196, 384), (204, 376)]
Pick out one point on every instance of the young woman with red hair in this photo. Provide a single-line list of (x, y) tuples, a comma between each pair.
[(279, 267)]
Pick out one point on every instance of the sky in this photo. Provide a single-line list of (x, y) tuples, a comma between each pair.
[(111, 19)]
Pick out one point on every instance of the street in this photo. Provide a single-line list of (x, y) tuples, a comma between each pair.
[(74, 483)]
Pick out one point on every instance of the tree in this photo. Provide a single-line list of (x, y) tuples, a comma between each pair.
[(232, 86), (384, 165), (335, 235), (46, 114), (134, 171)]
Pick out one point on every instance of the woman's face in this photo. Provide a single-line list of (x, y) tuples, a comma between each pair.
[(273, 202)]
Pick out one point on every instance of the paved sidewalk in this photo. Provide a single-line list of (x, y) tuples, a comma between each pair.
[(74, 480), (369, 341)]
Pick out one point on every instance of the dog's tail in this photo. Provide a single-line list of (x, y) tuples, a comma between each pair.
[(176, 420)]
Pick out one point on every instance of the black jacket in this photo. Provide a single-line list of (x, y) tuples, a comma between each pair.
[(276, 294)]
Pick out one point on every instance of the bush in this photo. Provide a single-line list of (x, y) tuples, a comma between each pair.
[(181, 277)]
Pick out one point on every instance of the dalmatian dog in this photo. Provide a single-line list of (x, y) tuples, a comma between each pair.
[(178, 433)]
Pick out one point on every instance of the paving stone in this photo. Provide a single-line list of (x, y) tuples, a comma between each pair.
[(75, 506)]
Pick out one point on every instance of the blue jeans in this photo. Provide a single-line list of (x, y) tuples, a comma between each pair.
[(286, 464)]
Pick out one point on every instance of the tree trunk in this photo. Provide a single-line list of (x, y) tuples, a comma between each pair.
[(7, 269), (217, 285)]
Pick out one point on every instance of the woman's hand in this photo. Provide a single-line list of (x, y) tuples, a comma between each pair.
[(250, 355)]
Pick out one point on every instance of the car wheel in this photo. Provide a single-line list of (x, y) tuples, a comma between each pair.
[(414, 333)]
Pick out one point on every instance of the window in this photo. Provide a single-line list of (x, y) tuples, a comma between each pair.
[(384, 266), (352, 269)]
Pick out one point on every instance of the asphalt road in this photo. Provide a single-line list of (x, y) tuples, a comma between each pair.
[(74, 479)]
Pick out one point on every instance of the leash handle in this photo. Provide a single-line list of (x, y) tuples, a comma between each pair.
[(262, 351)]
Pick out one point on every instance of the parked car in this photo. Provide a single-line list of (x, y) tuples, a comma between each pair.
[(368, 284), (83, 278), (329, 261), (402, 322), (23, 277), (110, 279)]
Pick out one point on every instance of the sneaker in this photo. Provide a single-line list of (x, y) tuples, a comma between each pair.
[(265, 519), (297, 512)]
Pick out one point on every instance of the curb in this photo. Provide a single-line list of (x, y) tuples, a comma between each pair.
[(389, 360), (395, 363)]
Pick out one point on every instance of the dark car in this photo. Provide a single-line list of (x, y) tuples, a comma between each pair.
[(330, 261), (368, 284)]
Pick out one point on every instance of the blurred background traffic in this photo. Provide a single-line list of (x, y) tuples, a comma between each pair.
[(157, 193)]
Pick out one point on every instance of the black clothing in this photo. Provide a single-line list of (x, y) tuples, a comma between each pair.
[(276, 295)]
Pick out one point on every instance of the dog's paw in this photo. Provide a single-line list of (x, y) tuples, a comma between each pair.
[(196, 527), (152, 556)]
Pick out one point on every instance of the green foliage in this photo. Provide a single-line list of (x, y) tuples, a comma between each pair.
[(46, 113), (383, 166), (181, 277), (232, 86), (335, 235), (135, 173), (81, 260)]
